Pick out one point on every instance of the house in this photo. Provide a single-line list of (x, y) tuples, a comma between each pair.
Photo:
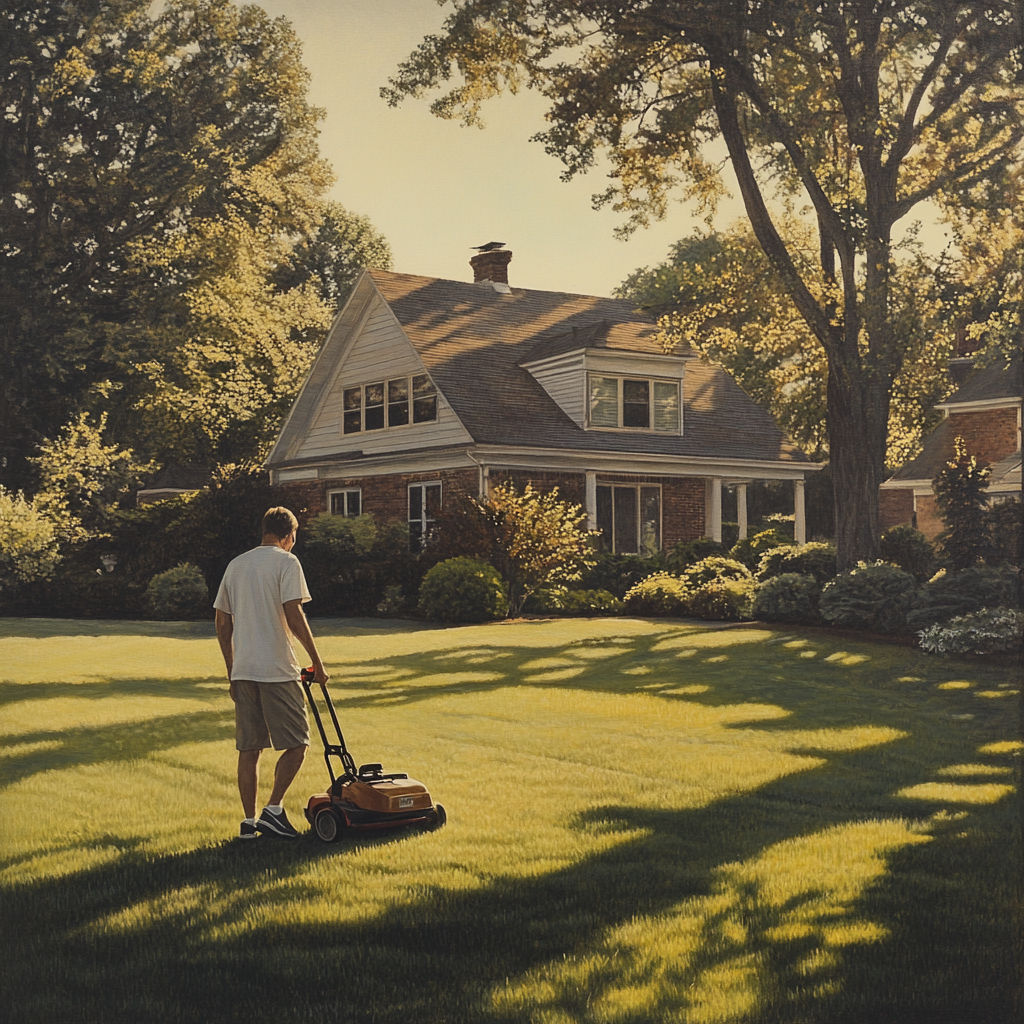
[(985, 410), (424, 385), (173, 480)]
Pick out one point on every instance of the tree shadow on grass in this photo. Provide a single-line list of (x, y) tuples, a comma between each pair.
[(215, 933)]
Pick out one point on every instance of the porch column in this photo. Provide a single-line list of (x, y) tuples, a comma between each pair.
[(713, 509), (591, 500), (799, 520), (741, 509), (485, 482)]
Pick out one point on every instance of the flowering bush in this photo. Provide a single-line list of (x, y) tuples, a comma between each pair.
[(660, 594), (714, 568), (990, 631), (814, 559), (728, 599)]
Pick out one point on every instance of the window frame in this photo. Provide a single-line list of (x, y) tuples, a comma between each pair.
[(651, 383), (419, 542), (346, 491), (608, 541), (385, 383)]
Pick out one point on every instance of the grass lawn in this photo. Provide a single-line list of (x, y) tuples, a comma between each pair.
[(647, 821)]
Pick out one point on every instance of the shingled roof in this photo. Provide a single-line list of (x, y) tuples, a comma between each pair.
[(999, 379), (474, 342)]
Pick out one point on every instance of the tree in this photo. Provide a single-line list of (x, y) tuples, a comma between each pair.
[(143, 146), (960, 494), (863, 109)]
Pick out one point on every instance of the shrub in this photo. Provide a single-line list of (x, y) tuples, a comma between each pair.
[(393, 602), (749, 550), (790, 597), (29, 542), (179, 593), (874, 596), (685, 552), (561, 601), (463, 590), (1004, 521), (714, 568), (660, 594), (989, 631), (814, 559), (724, 598), (959, 593), (618, 573), (960, 494), (909, 549)]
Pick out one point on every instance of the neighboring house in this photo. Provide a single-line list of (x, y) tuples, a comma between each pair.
[(985, 411), (172, 480), (425, 385)]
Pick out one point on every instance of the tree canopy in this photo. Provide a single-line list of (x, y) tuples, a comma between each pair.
[(862, 110), (160, 188)]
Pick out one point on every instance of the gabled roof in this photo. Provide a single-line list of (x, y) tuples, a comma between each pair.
[(999, 379), (473, 340)]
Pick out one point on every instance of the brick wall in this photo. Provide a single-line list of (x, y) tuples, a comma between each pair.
[(895, 507), (572, 487), (990, 435), (929, 522)]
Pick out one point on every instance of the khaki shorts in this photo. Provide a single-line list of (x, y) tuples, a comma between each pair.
[(270, 713)]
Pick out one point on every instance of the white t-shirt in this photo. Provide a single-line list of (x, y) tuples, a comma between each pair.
[(254, 589)]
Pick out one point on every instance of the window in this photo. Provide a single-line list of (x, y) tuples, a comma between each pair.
[(629, 518), (389, 403), (346, 503), (636, 402), (424, 501)]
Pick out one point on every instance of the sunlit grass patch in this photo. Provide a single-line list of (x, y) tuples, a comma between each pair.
[(808, 654), (984, 793), (955, 684), (1002, 747), (957, 770), (995, 694), (846, 658)]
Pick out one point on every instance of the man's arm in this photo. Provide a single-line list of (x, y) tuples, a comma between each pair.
[(225, 632), (297, 623)]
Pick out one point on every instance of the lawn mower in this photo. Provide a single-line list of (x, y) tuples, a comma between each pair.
[(368, 799)]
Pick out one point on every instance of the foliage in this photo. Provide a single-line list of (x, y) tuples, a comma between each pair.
[(749, 550), (725, 598), (355, 565), (815, 559), (179, 593), (530, 537), (949, 594), (960, 495), (909, 549), (1004, 521), (714, 568), (343, 244), (562, 601), (874, 596), (788, 597), (618, 573), (989, 631), (157, 162), (685, 552), (659, 594), (463, 590), (923, 104), (29, 541), (81, 478)]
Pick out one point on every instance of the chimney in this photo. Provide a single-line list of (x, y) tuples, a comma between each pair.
[(492, 268)]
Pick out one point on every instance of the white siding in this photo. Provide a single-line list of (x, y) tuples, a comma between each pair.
[(381, 351), (563, 379)]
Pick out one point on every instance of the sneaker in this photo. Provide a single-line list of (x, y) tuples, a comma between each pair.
[(276, 824), (247, 831)]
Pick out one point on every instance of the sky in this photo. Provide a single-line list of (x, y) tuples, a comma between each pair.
[(435, 188)]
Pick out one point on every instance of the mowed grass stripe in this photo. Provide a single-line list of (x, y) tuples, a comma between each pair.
[(742, 833)]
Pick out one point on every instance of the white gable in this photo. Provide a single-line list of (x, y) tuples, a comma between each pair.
[(366, 345)]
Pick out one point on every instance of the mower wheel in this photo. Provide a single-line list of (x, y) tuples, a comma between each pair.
[(328, 825), (440, 817)]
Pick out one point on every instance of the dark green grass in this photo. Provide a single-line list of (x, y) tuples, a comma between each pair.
[(208, 930)]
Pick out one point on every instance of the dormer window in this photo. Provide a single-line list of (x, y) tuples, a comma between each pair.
[(639, 403), (386, 404)]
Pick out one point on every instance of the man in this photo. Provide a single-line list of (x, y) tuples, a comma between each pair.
[(259, 603)]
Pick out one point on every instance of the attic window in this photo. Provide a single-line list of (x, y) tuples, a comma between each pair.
[(386, 404), (639, 403)]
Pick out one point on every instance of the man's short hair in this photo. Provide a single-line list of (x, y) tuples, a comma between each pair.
[(279, 522)]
